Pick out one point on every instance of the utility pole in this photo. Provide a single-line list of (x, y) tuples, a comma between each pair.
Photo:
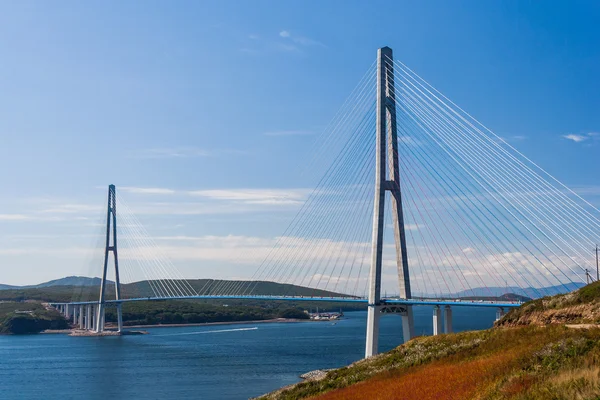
[(587, 276), (597, 269)]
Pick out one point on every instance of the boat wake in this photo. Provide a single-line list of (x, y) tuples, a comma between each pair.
[(215, 331)]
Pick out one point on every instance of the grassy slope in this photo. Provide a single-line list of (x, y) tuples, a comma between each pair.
[(521, 358)]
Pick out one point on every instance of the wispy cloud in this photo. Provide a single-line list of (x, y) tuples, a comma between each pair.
[(256, 196), (587, 190), (578, 138), (140, 190), (73, 208), (300, 40), (288, 133), (183, 153), (408, 140), (286, 41), (575, 138), (172, 152), (244, 195), (14, 217)]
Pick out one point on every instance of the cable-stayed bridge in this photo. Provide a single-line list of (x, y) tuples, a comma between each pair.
[(417, 192)]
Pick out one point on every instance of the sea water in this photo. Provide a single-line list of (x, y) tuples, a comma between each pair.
[(236, 361)]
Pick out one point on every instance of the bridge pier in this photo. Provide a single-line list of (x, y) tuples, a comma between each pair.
[(447, 319), (74, 315), (408, 326), (94, 320), (100, 318), (437, 320), (80, 316), (500, 313), (373, 316), (119, 317), (88, 317)]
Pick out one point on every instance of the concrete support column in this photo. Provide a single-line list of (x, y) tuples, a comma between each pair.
[(67, 312), (499, 313), (94, 321), (437, 320), (88, 317), (372, 344), (119, 317), (74, 315), (447, 319), (408, 326), (80, 312)]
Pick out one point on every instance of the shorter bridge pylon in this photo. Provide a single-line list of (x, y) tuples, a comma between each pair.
[(111, 246)]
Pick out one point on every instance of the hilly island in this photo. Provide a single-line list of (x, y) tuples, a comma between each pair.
[(24, 309), (548, 348)]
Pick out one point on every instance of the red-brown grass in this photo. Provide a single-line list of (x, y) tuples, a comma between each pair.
[(437, 381)]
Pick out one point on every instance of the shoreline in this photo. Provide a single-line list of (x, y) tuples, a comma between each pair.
[(259, 321), (111, 326)]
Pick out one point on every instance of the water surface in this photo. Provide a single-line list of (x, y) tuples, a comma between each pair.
[(209, 362)]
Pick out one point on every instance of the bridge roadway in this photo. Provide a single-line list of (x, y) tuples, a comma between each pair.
[(388, 301)]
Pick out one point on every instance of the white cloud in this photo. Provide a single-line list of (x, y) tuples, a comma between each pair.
[(73, 208), (587, 190), (139, 190), (413, 227), (288, 133), (300, 40), (255, 196), (14, 217), (172, 152), (576, 138)]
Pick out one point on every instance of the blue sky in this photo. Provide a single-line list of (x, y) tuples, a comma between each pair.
[(206, 112)]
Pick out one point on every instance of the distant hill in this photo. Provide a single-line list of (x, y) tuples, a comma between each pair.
[(85, 289), (4, 287), (66, 281), (78, 286), (531, 293), (71, 281)]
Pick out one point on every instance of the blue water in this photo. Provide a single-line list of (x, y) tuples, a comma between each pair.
[(210, 362)]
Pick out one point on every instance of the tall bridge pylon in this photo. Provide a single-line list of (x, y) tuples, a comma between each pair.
[(111, 231), (387, 178)]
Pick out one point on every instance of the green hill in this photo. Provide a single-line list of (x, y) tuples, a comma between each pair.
[(58, 293), (28, 317)]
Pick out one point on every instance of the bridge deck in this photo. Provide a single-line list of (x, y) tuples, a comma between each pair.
[(414, 302)]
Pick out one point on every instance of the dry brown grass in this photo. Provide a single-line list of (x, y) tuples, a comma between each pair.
[(437, 381), (527, 363)]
